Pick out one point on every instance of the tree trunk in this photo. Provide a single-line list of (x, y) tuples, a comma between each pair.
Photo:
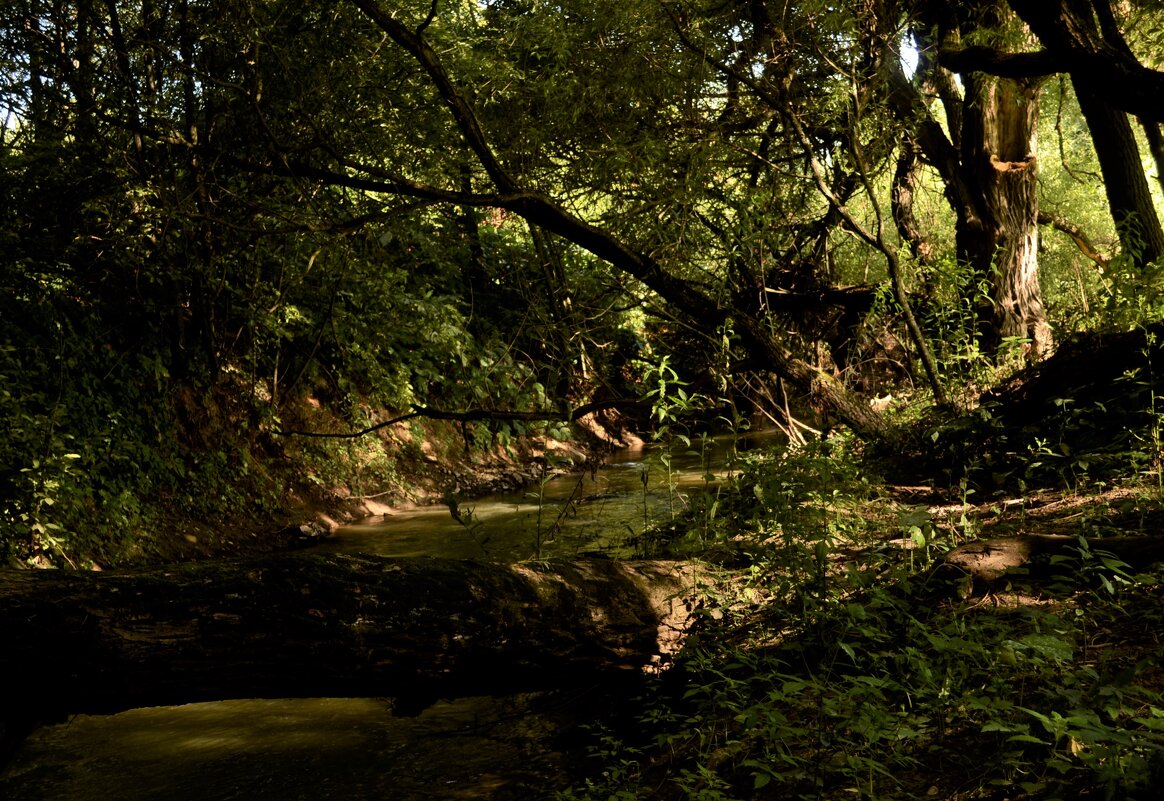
[(308, 625), (999, 161), (1124, 181), (1156, 147), (1095, 48), (990, 177), (1104, 72), (906, 176)]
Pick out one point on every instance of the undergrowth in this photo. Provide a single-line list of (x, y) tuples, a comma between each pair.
[(838, 668)]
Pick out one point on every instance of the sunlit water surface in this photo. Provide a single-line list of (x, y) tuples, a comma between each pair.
[(568, 515)]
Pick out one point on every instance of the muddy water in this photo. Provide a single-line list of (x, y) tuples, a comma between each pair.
[(355, 748), (565, 516), (309, 749)]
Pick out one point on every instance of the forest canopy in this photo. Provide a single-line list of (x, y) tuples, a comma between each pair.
[(219, 214)]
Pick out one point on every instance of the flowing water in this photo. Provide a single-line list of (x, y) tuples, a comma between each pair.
[(566, 515), (355, 748)]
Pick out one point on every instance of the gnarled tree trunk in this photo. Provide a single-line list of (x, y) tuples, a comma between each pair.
[(999, 158), (989, 166)]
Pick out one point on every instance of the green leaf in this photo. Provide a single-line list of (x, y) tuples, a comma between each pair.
[(1050, 646), (1025, 738)]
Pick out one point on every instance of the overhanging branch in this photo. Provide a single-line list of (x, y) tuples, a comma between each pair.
[(1070, 31), (541, 210), (979, 58), (474, 415)]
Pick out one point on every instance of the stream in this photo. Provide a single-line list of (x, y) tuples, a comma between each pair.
[(511, 747), (564, 516)]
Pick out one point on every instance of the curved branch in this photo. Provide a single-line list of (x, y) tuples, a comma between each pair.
[(1156, 147), (470, 416), (539, 209), (1077, 234)]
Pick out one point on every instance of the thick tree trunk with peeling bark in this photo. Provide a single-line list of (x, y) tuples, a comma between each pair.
[(307, 625), (989, 170), (999, 157)]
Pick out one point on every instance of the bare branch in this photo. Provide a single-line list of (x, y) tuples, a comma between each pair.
[(473, 415), (1077, 234)]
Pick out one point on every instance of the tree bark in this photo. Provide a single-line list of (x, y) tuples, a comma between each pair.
[(990, 180), (999, 163), (312, 625), (1108, 81), (1124, 181), (1013, 198)]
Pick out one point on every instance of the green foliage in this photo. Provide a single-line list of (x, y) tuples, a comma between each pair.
[(853, 680), (215, 216), (163, 310)]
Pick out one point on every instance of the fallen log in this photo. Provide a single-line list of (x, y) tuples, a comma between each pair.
[(307, 625), (985, 562)]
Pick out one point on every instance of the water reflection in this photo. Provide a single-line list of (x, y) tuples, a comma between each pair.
[(283, 750)]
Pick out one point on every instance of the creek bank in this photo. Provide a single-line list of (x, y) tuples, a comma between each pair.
[(422, 464), (432, 467)]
